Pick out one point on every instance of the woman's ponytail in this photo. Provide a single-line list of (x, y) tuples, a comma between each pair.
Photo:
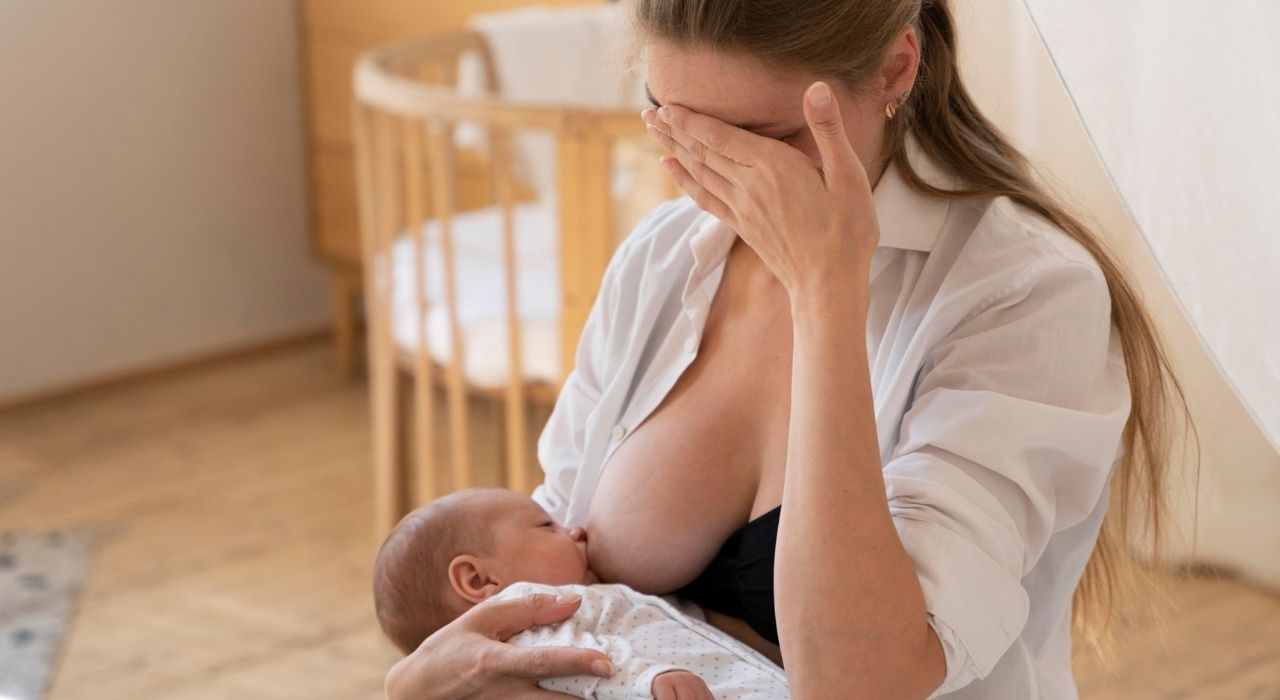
[(947, 124)]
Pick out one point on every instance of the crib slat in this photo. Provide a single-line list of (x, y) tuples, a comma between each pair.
[(504, 194), (372, 149), (597, 179), (427, 479), (573, 306), (490, 66), (585, 230), (441, 157)]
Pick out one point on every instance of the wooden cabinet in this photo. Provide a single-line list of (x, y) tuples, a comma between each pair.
[(333, 34)]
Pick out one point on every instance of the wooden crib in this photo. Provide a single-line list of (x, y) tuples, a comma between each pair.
[(440, 221)]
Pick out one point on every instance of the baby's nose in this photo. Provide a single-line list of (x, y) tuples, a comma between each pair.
[(578, 534)]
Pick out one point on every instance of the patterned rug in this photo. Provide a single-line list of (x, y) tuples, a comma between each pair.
[(40, 579)]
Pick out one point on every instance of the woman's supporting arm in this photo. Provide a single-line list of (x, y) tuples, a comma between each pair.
[(851, 614), (1010, 437)]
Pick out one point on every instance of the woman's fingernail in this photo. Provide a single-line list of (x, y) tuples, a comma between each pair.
[(665, 114), (821, 95), (600, 667), (567, 598)]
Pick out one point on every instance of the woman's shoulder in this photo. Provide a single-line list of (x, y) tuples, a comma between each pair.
[(1007, 231), (996, 251)]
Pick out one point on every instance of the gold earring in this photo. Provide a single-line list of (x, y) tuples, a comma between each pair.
[(892, 109)]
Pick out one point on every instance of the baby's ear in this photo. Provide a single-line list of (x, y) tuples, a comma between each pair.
[(472, 579)]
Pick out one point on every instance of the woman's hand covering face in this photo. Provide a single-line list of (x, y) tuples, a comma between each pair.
[(806, 224)]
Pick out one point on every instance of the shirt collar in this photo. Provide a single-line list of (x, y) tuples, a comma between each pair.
[(909, 219)]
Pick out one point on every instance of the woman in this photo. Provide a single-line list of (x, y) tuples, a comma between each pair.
[(866, 348)]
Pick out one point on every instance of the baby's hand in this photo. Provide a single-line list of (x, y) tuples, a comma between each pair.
[(680, 685)]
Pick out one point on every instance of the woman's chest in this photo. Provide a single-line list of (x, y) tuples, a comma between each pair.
[(711, 455)]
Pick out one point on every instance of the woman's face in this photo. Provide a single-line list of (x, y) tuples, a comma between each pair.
[(741, 91)]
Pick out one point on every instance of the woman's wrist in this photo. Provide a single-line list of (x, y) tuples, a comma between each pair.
[(411, 678), (821, 297)]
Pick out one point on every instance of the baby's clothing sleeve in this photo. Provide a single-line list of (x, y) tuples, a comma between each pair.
[(645, 637)]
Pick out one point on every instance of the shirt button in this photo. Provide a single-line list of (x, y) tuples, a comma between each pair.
[(691, 345), (618, 432)]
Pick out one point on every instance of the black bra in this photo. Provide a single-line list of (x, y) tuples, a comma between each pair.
[(739, 581)]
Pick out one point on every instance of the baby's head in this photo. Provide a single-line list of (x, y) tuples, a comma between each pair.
[(458, 550)]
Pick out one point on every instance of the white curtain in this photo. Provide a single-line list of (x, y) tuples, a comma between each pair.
[(1160, 121), (1182, 100)]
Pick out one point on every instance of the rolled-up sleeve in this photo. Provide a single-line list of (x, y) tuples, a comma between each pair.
[(1011, 435)]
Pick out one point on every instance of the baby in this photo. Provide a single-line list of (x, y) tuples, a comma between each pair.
[(478, 544)]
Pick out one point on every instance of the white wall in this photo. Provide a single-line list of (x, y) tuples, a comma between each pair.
[(152, 186), (1012, 77)]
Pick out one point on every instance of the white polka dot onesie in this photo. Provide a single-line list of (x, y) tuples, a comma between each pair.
[(644, 636)]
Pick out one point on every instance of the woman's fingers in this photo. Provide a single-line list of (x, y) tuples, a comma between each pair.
[(840, 164), (704, 199), (706, 175), (539, 694), (500, 619), (537, 663), (725, 139), (717, 161)]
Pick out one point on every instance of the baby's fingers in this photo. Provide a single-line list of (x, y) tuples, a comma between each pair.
[(698, 689), (680, 685)]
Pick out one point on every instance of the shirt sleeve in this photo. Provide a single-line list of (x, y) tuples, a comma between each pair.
[(1013, 430), (560, 445)]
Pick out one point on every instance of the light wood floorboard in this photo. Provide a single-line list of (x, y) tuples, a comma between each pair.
[(232, 509)]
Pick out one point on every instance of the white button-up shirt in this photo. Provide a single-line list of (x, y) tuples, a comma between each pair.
[(1000, 398)]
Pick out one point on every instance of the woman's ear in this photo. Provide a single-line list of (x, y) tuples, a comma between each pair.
[(902, 63), (472, 578)]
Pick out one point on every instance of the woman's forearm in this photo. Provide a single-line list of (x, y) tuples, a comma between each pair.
[(850, 611)]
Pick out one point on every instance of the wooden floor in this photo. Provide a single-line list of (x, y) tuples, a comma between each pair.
[(232, 507)]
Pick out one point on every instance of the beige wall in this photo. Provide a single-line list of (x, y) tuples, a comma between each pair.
[(1013, 78), (152, 189)]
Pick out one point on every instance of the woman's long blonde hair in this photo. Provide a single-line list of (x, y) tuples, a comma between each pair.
[(847, 40)]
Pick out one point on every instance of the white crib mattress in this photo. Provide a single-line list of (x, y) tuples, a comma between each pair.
[(481, 290)]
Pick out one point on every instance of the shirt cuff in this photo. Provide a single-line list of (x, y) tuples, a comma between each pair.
[(977, 609)]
